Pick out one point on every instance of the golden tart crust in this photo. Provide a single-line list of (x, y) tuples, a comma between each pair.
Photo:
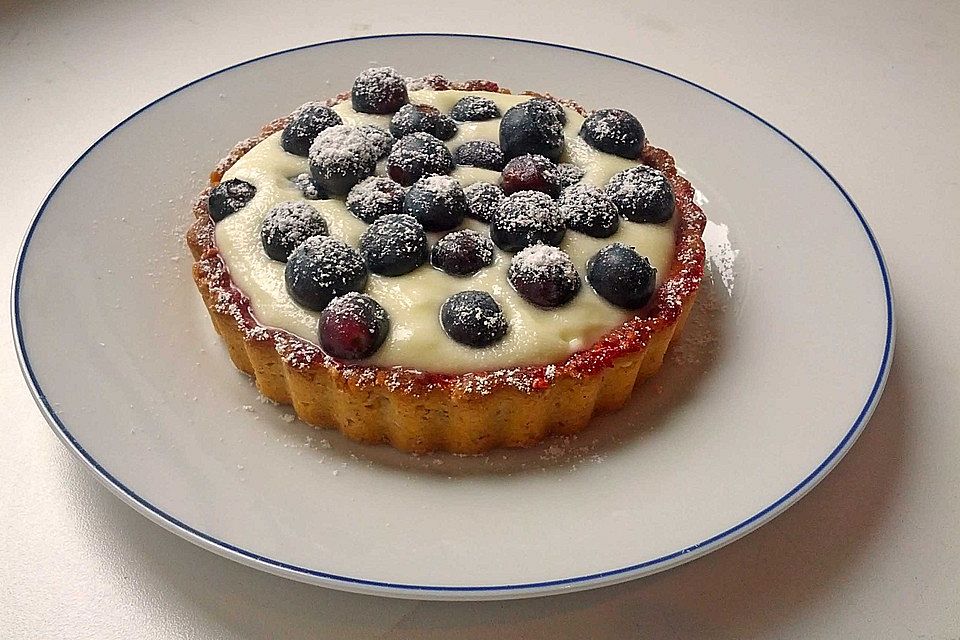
[(468, 413)]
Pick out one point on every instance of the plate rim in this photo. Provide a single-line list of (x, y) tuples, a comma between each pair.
[(466, 591)]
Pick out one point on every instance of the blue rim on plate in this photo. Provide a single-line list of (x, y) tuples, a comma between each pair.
[(334, 580)]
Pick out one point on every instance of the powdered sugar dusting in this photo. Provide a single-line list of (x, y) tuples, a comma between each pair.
[(420, 117), (643, 194), (375, 196), (288, 224), (379, 90), (323, 263), (441, 193), (568, 174), (540, 259), (473, 318), (306, 106), (475, 108), (308, 187), (528, 210), (422, 154), (485, 154), (342, 147), (356, 308), (395, 234), (616, 127), (486, 383), (443, 187), (585, 206), (465, 239), (381, 139), (721, 254), (547, 116), (640, 182), (483, 200)]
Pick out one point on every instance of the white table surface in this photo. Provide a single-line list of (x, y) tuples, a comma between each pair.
[(871, 89)]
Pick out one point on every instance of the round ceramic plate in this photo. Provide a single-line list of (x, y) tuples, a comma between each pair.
[(777, 372)]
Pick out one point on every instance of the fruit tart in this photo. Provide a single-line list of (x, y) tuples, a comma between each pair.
[(447, 266)]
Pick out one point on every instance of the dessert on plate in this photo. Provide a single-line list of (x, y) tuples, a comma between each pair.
[(447, 266)]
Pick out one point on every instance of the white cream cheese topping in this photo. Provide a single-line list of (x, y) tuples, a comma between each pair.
[(416, 340)]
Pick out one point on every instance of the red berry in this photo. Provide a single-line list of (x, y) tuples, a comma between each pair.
[(531, 172), (353, 327)]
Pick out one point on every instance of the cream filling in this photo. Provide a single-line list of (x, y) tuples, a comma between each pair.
[(416, 339)]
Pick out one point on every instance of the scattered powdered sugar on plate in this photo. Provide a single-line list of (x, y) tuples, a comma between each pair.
[(720, 253), (700, 339)]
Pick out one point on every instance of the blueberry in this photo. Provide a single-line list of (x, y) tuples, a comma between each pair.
[(340, 157), (229, 197), (473, 318), (353, 327), (526, 218), (309, 187), (555, 107), (321, 269), (544, 276), (642, 194), (474, 109), (483, 199), (393, 245), (622, 276), (413, 118), (438, 202), (480, 153), (308, 121), (462, 252), (531, 172), (379, 90), (287, 225), (531, 127), (418, 155), (375, 197), (381, 138), (614, 131), (446, 128), (587, 209), (568, 174)]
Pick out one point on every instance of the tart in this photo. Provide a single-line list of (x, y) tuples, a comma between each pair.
[(447, 266)]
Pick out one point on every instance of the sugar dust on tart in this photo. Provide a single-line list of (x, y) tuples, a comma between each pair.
[(448, 266)]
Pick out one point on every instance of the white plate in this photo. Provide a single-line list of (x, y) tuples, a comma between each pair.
[(779, 370)]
